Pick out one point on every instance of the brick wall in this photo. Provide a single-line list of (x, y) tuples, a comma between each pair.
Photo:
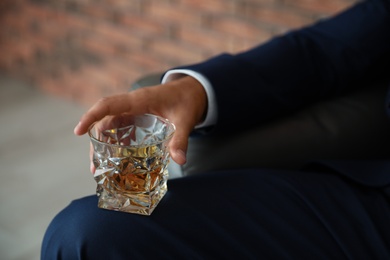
[(85, 49)]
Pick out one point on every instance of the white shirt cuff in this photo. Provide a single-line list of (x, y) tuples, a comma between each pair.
[(211, 116)]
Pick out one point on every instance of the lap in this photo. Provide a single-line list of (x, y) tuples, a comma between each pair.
[(233, 214)]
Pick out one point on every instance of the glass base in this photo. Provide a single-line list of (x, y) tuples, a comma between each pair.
[(138, 203)]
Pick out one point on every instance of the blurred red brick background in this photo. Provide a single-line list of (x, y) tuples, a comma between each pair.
[(85, 49)]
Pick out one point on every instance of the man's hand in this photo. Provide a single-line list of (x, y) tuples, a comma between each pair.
[(182, 101)]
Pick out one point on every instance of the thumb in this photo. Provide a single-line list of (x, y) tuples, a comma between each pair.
[(178, 146)]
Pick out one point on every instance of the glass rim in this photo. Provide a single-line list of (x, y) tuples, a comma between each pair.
[(168, 137)]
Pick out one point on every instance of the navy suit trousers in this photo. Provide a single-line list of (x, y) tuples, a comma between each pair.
[(238, 214)]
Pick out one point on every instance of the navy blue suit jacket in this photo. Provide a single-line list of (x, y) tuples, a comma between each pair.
[(334, 56)]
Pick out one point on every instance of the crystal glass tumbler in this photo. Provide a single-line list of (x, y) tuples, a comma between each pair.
[(131, 158)]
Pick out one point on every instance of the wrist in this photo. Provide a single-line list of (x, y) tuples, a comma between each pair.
[(194, 95), (210, 116)]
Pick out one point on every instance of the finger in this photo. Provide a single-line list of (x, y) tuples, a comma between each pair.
[(179, 143), (92, 165), (178, 152), (114, 105)]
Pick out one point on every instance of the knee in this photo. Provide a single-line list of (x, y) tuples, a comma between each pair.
[(83, 231), (71, 231)]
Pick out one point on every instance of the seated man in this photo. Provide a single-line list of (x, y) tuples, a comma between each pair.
[(328, 210)]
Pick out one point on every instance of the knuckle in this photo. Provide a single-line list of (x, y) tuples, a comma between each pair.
[(104, 100), (145, 92)]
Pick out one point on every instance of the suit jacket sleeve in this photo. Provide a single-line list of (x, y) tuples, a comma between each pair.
[(333, 56)]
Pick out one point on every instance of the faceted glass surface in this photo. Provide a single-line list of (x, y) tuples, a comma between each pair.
[(131, 158)]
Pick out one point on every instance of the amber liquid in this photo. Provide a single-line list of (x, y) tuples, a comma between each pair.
[(131, 184), (133, 180)]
